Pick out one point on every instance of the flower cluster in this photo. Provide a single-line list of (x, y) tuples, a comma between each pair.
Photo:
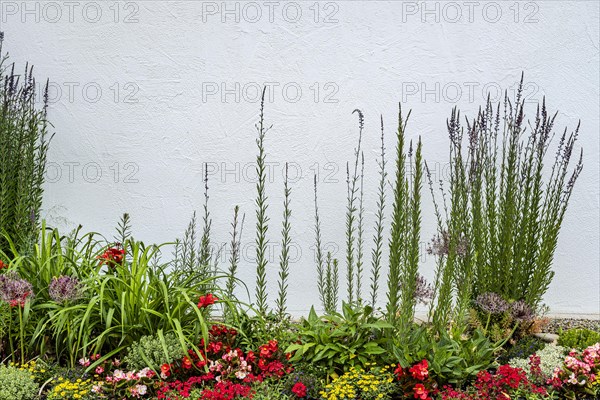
[(302, 385), (503, 384), (113, 256), (121, 384), (231, 370), (299, 389), (76, 389), (492, 303), (14, 290), (358, 383), (579, 374), (416, 380), (226, 390), (64, 288)]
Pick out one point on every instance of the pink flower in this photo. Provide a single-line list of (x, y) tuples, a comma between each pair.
[(99, 370), (84, 362)]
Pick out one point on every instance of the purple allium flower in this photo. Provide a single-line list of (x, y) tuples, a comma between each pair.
[(440, 245), (423, 290), (491, 303), (521, 311), (64, 288), (14, 290)]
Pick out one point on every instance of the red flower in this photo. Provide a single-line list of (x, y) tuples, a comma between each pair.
[(399, 371), (165, 369), (205, 301), (186, 362), (299, 389), (113, 256), (2, 265), (419, 371), (420, 392)]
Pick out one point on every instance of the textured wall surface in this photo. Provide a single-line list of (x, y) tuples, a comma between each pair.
[(143, 93)]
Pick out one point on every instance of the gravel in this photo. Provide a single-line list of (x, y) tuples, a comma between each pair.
[(557, 324)]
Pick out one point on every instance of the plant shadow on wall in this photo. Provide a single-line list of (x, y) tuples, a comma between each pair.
[(83, 316)]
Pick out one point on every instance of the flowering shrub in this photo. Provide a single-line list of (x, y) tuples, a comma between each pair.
[(505, 383), (580, 373), (358, 383), (218, 362), (549, 357), (415, 380), (130, 384)]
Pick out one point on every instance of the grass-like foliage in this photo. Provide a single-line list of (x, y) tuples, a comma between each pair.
[(23, 148), (284, 257), (378, 242), (405, 232), (500, 230), (262, 220), (352, 185)]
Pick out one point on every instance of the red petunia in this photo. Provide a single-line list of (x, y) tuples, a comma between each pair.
[(2, 265), (207, 300), (299, 389), (186, 362), (165, 369)]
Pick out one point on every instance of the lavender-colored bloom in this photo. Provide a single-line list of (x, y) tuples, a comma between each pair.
[(423, 290), (14, 290), (440, 245), (521, 311), (64, 288), (491, 303)]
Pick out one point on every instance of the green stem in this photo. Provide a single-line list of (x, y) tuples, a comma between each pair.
[(487, 324), (501, 344), (21, 335)]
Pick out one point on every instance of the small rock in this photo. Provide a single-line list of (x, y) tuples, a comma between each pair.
[(547, 337)]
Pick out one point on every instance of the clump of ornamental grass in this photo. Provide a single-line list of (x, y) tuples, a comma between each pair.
[(500, 229)]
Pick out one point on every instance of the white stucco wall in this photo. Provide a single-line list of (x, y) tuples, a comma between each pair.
[(144, 92)]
